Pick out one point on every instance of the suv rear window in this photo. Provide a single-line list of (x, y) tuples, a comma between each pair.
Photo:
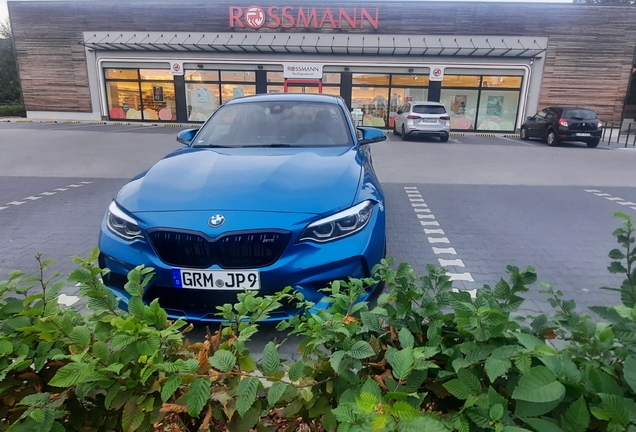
[(580, 114), (429, 109)]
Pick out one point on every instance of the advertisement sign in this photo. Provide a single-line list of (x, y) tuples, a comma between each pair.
[(275, 17), (302, 70), (176, 68), (437, 73)]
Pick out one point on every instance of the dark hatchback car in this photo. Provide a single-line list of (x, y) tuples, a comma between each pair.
[(556, 124)]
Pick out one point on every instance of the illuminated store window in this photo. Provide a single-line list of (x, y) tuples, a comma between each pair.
[(461, 105), (497, 110), (231, 91), (460, 81), (275, 77), (158, 100), (155, 75), (501, 81), (238, 76), (122, 74), (202, 99), (202, 76), (330, 78)]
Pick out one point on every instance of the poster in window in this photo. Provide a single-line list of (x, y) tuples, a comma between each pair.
[(458, 104), (202, 95), (494, 106), (157, 93), (238, 92)]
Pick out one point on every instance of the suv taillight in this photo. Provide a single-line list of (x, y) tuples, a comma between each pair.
[(444, 118), (563, 122), (413, 117)]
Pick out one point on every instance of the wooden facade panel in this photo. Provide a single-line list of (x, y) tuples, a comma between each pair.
[(588, 62)]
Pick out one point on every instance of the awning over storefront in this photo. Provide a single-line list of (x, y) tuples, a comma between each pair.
[(313, 43)]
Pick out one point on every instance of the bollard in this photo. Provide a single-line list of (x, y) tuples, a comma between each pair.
[(610, 136), (629, 129)]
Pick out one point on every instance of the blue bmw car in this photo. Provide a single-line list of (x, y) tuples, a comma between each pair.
[(272, 191)]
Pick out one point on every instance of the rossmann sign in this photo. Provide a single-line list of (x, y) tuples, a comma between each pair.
[(276, 17)]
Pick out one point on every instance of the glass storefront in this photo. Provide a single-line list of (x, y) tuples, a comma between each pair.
[(474, 102), (378, 96), (140, 94), (473, 106)]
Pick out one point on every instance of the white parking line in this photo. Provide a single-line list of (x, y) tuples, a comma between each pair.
[(16, 203), (591, 190), (609, 197), (60, 189), (627, 203), (43, 194), (32, 198), (614, 199), (48, 193), (411, 192)]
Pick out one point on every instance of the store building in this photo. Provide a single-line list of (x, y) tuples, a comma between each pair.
[(490, 64)]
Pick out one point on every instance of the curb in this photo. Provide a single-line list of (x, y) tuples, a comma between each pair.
[(487, 135), (457, 134), (511, 136)]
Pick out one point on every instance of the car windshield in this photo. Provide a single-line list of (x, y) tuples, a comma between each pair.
[(276, 124), (429, 109), (580, 114)]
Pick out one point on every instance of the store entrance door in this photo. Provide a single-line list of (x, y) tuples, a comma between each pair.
[(303, 86)]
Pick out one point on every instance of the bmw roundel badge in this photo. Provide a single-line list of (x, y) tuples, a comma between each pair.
[(216, 221)]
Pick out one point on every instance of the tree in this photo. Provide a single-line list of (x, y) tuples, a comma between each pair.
[(9, 79)]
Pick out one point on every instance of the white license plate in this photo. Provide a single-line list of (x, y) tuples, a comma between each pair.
[(582, 134), (216, 279), (427, 120)]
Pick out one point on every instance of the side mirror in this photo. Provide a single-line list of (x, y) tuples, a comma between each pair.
[(371, 135), (186, 136), (399, 112)]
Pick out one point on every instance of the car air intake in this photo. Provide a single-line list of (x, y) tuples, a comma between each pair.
[(249, 249)]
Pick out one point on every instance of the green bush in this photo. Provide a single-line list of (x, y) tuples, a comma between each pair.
[(12, 111), (426, 358)]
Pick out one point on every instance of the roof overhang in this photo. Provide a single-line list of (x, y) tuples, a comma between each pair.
[(316, 43)]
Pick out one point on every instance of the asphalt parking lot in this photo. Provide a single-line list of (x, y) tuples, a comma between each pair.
[(474, 204)]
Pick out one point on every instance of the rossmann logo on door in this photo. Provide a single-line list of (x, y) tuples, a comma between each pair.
[(273, 17)]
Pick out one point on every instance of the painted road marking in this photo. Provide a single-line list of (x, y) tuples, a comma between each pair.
[(438, 240), (422, 210), (66, 300), (440, 251), (434, 231), (419, 205), (425, 216), (454, 262), (43, 194), (416, 200), (467, 277), (609, 197), (429, 223)]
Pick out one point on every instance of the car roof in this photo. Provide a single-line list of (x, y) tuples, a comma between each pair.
[(426, 103), (282, 97), (569, 107)]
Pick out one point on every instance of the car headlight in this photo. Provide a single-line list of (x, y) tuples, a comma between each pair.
[(339, 225), (121, 224)]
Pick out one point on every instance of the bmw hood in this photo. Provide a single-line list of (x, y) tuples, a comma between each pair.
[(294, 180)]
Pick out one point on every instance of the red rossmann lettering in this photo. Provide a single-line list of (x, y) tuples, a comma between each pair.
[(303, 17)]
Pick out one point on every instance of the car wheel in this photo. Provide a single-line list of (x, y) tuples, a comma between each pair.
[(443, 138), (552, 139), (523, 133), (592, 144), (403, 133)]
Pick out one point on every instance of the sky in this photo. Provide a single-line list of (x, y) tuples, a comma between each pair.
[(4, 13)]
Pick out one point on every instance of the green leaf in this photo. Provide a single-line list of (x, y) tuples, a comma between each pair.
[(271, 359), (371, 321), (514, 429), (470, 381), (6, 347), (198, 396), (223, 360), (404, 412), (539, 385), (361, 350), (529, 341), (497, 367), (81, 336), (402, 363), (577, 418), (132, 416), (71, 374), (614, 406), (366, 402), (496, 412), (246, 393), (335, 360), (531, 409), (112, 392), (296, 370), (541, 425), (406, 338), (100, 350), (457, 389), (343, 414), (275, 392), (35, 399), (170, 386), (629, 369), (523, 363), (423, 424)]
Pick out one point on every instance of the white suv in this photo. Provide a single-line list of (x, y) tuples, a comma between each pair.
[(422, 118)]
